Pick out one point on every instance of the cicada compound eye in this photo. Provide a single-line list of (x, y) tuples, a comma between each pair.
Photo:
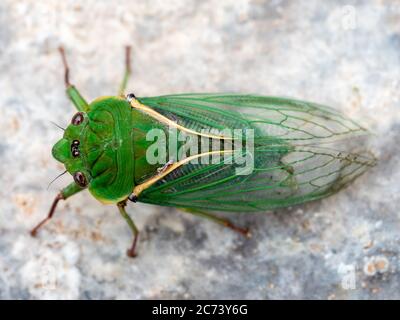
[(77, 119), (80, 179)]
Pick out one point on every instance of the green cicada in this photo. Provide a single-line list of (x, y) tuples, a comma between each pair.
[(206, 153)]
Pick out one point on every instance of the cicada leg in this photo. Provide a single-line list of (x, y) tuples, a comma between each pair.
[(65, 193), (127, 72), (73, 93), (222, 221), (121, 207)]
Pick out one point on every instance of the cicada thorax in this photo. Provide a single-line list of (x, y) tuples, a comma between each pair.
[(142, 124), (107, 149)]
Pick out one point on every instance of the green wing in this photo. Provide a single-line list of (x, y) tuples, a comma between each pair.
[(300, 153)]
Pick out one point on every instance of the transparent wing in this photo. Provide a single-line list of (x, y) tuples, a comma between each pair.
[(301, 153)]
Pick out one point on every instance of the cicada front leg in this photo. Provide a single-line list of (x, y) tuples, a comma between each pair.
[(64, 194), (127, 72), (73, 93)]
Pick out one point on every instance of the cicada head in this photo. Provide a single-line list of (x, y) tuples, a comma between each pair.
[(97, 149), (68, 150)]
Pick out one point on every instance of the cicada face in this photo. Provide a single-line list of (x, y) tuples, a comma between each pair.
[(70, 150), (97, 149)]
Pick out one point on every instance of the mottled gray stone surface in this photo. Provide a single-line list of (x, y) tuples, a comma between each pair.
[(341, 53)]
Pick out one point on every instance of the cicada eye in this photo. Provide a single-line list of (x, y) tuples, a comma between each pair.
[(80, 179), (77, 119), (75, 153), (75, 148)]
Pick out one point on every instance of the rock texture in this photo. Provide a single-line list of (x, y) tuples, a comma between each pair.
[(340, 53)]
